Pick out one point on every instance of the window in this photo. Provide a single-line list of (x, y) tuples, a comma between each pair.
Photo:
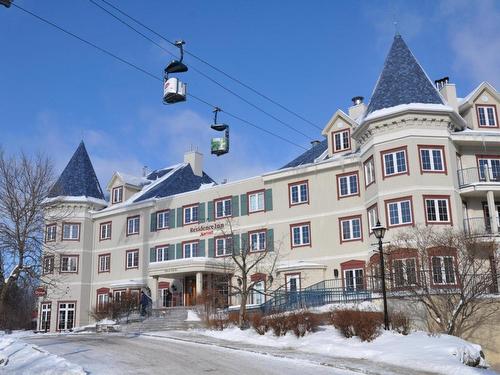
[(369, 167), (437, 209), (191, 249), (69, 263), (405, 272), (48, 264), (223, 208), (104, 262), (341, 140), (105, 231), (258, 293), (223, 246), (372, 217), (298, 193), (50, 232), (46, 312), (117, 194), (162, 253), (132, 257), (395, 162), (190, 214), (399, 212), (347, 185), (354, 279), (162, 219), (102, 301), (66, 316), (489, 167), (350, 228), (487, 116), (443, 271), (257, 241), (133, 224), (71, 231), (118, 295), (255, 201), (432, 159), (301, 234)]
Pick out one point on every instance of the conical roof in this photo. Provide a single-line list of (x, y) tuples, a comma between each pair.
[(78, 179), (402, 81)]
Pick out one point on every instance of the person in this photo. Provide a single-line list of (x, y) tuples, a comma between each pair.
[(143, 303), (169, 298)]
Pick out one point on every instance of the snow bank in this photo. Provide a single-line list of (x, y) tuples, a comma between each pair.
[(192, 316), (17, 357), (441, 354), (360, 306)]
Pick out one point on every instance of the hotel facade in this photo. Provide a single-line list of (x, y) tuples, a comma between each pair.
[(415, 155)]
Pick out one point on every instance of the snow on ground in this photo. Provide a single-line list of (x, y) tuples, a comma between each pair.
[(192, 316), (17, 357), (440, 354), (360, 306)]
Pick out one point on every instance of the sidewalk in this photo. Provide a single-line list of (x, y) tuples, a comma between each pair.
[(362, 366)]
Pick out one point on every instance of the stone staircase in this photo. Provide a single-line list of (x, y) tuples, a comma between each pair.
[(162, 320)]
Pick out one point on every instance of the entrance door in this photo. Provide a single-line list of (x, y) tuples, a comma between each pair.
[(45, 317), (293, 287), (66, 316), (190, 290), (354, 279)]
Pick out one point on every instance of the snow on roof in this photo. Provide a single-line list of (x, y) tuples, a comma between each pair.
[(133, 180), (298, 264), (80, 199), (128, 283), (408, 107)]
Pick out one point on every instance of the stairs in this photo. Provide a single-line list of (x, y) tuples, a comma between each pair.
[(163, 320)]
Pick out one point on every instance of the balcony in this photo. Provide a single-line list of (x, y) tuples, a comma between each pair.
[(479, 226), (482, 176)]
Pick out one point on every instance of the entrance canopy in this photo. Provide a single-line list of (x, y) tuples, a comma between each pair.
[(188, 266)]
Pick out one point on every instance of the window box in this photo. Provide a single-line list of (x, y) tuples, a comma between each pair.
[(432, 159), (437, 209), (399, 212), (71, 232), (69, 264), (347, 184), (131, 259), (394, 162), (105, 231), (341, 140), (487, 116), (298, 193), (300, 234), (350, 229), (133, 225), (223, 207), (104, 263)]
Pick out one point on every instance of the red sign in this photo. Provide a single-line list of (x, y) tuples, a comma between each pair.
[(40, 292)]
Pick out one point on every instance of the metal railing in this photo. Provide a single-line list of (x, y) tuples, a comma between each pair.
[(469, 176), (478, 226)]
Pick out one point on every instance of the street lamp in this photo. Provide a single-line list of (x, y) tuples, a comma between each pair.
[(379, 232)]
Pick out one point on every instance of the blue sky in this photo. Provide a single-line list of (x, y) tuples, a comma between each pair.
[(54, 90)]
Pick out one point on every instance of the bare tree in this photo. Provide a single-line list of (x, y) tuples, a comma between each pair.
[(246, 261), (24, 186), (452, 276)]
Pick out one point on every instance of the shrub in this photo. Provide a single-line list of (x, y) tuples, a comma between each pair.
[(259, 324), (400, 322), (302, 322), (278, 323), (364, 324)]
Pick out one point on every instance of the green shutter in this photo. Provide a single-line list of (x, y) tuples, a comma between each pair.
[(178, 252), (236, 244), (201, 248), (201, 212), (268, 200), (179, 217), (152, 255), (171, 218), (270, 240), (243, 204), (244, 242), (235, 205), (211, 248), (171, 252), (153, 222), (210, 209)]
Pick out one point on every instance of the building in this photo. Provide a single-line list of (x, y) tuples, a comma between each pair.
[(416, 154)]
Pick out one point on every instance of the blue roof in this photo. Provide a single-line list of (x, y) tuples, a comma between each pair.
[(402, 81), (309, 156), (78, 178), (181, 181)]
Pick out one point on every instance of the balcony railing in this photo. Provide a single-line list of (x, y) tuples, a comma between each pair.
[(478, 226), (469, 176)]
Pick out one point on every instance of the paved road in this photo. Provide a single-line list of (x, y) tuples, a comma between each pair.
[(120, 354)]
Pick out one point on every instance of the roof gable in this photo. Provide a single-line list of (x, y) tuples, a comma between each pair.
[(402, 81), (473, 96), (78, 179), (339, 114)]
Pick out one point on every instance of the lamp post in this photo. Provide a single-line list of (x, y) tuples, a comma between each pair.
[(379, 232)]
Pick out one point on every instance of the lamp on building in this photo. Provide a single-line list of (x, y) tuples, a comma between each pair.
[(379, 232)]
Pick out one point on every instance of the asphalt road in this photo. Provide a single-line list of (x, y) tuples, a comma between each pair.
[(119, 354)]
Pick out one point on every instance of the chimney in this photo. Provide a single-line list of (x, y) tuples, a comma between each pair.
[(358, 108), (195, 159), (314, 143), (448, 91), (145, 171)]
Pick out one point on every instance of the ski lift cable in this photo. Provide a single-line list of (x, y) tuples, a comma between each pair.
[(202, 73), (255, 91), (149, 74)]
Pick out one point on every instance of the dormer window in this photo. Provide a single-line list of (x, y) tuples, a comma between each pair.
[(341, 140), (487, 116), (117, 195)]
